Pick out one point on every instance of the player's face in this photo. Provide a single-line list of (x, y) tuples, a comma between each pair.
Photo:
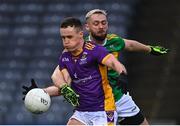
[(97, 26), (71, 38)]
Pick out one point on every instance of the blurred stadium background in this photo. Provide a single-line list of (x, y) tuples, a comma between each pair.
[(30, 46)]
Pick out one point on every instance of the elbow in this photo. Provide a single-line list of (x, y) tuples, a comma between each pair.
[(55, 79), (53, 76)]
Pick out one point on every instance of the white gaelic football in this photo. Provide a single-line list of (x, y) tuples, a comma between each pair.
[(37, 101)]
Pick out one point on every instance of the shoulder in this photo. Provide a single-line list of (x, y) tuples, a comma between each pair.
[(65, 50), (90, 45), (114, 42), (64, 54), (114, 39), (113, 36)]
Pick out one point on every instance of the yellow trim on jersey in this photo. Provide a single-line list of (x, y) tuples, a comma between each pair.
[(105, 58), (89, 46), (109, 102), (111, 36), (116, 54)]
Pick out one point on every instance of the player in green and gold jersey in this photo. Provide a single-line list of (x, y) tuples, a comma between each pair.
[(97, 26)]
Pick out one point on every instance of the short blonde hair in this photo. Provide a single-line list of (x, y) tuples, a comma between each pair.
[(95, 11)]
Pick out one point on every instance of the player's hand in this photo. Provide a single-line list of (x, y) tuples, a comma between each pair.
[(158, 50), (70, 95), (122, 83), (27, 89)]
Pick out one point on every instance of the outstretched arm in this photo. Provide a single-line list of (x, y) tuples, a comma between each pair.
[(58, 81), (132, 45), (114, 64), (135, 46), (52, 90)]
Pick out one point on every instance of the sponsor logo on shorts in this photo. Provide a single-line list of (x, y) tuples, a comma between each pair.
[(110, 116)]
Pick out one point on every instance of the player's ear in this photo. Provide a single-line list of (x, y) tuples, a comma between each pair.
[(86, 26), (81, 33)]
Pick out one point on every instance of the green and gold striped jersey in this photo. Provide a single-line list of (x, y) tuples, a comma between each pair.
[(114, 44)]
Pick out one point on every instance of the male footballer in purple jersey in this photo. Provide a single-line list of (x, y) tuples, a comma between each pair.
[(85, 71), (85, 63)]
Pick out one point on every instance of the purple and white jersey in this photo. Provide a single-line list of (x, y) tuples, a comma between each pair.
[(89, 77)]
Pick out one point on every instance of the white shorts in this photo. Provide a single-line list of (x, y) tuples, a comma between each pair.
[(126, 107), (96, 118)]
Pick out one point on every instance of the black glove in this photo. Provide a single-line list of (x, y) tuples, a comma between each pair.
[(158, 50), (122, 83), (27, 89)]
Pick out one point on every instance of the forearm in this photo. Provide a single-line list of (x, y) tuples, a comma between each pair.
[(114, 64), (119, 67), (52, 90), (62, 80), (135, 46)]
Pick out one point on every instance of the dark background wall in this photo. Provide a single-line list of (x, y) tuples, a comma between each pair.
[(155, 80)]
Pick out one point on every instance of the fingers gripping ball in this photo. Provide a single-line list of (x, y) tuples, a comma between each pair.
[(37, 101)]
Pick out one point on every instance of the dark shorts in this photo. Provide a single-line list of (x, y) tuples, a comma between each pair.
[(133, 120)]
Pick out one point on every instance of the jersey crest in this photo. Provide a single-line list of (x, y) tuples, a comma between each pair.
[(83, 59)]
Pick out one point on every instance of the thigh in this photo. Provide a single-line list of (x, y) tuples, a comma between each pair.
[(77, 118), (73, 121), (126, 107)]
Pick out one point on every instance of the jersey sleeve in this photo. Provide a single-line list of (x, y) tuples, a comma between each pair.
[(61, 62), (121, 43), (115, 43), (101, 54)]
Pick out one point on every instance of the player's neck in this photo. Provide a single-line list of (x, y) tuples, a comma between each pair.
[(78, 50), (97, 41)]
